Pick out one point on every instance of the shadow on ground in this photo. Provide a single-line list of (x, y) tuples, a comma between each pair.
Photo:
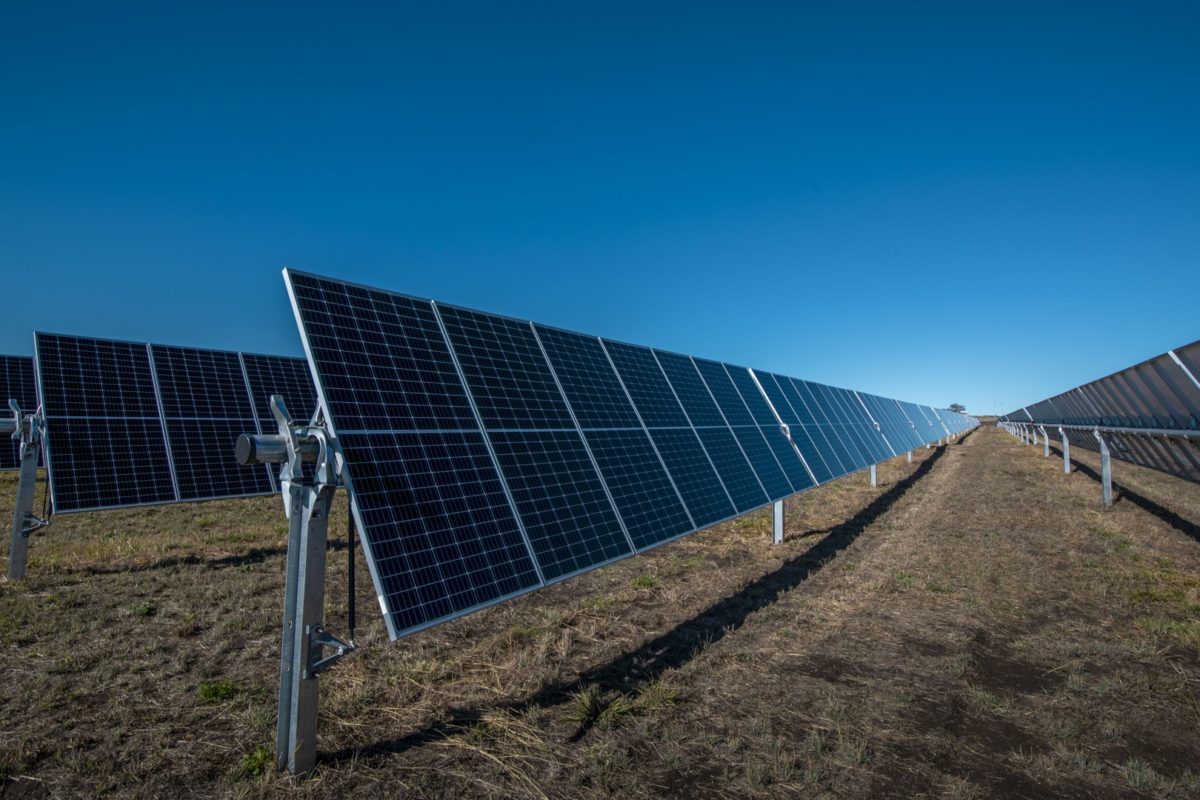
[(1122, 492), (674, 648)]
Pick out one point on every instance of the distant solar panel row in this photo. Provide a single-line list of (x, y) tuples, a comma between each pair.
[(1161, 394), (16, 383), (131, 424), (486, 456)]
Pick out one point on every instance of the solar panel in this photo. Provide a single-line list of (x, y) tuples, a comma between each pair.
[(644, 494), (16, 383), (486, 456), (1161, 394), (131, 424)]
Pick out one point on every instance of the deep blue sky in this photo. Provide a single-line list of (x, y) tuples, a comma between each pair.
[(961, 202)]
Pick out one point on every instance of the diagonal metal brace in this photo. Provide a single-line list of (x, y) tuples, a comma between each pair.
[(318, 640)]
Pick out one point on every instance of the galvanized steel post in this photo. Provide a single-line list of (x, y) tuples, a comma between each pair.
[(777, 517), (1105, 468)]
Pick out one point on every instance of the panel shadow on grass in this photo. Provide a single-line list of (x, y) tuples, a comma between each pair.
[(672, 649), (1123, 492)]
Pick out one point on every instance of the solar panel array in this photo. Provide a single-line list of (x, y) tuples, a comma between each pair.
[(16, 383), (1161, 395), (486, 456), (131, 424)]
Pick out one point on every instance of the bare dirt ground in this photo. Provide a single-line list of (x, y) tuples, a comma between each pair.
[(977, 626)]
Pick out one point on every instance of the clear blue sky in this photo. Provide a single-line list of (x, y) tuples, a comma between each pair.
[(982, 203)]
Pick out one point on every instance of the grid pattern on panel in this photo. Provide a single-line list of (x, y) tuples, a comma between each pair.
[(588, 380), (693, 474), (830, 425), (95, 378), (724, 392), (289, 378), (763, 460), (441, 531), (201, 384), (829, 451), (753, 397), (16, 383), (206, 406), (506, 371), (202, 452), (646, 384), (567, 515), (691, 390), (639, 485), (105, 445), (640, 488), (381, 358), (106, 463), (733, 469), (792, 467)]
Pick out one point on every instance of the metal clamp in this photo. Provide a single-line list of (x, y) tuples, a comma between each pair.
[(318, 640)]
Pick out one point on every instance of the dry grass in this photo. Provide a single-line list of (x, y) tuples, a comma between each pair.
[(976, 626)]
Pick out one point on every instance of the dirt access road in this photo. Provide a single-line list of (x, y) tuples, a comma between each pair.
[(976, 626)]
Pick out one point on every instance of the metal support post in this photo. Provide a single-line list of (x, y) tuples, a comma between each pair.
[(874, 477), (910, 456), (1045, 443), (777, 516), (1066, 443), (26, 428), (1033, 433), (303, 642), (1105, 468)]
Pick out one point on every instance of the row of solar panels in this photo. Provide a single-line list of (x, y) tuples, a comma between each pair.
[(1161, 395), (131, 424), (486, 456)]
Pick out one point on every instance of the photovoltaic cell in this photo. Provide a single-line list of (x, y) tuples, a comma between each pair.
[(381, 358), (206, 406), (506, 372), (570, 522), (105, 445), (694, 475), (641, 490), (16, 383), (734, 470), (288, 377), (441, 532)]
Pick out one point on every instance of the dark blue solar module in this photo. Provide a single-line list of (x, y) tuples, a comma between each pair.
[(568, 517), (830, 450), (132, 424), (437, 523), (734, 470), (16, 383), (694, 475), (684, 457), (643, 378), (425, 491), (801, 434), (381, 358), (206, 405), (506, 372), (288, 377), (693, 394), (105, 446), (486, 456), (635, 476)]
